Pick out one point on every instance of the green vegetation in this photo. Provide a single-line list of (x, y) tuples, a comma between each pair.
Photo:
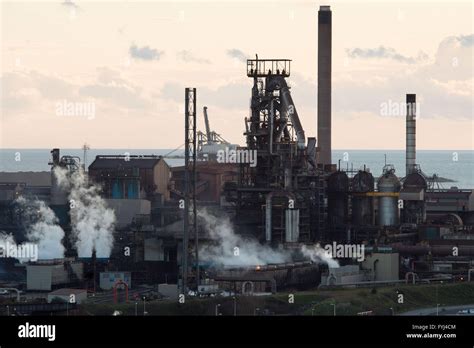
[(349, 301)]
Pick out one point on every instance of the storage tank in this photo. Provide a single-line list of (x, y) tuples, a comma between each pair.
[(362, 206), (388, 214), (338, 188)]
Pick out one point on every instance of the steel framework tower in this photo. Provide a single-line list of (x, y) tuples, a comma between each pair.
[(190, 216)]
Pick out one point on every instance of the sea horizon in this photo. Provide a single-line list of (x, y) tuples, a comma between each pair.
[(455, 165)]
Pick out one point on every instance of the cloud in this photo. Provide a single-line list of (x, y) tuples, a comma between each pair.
[(109, 76), (145, 53), (234, 95), (69, 3), (113, 88), (188, 57), (443, 85), (31, 91), (453, 59), (237, 54), (382, 52), (23, 90), (463, 40)]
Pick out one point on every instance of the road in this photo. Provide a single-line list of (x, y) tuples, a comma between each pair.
[(443, 310)]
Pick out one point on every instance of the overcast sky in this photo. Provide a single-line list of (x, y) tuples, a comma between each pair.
[(132, 61)]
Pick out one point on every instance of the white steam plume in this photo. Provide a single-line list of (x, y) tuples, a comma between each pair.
[(44, 229), (92, 221), (223, 251), (317, 254), (250, 252), (7, 240)]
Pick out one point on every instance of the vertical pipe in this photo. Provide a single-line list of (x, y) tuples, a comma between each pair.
[(324, 84), (268, 218), (184, 262), (272, 115), (195, 227), (410, 133)]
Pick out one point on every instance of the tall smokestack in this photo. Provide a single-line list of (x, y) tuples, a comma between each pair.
[(411, 134), (324, 84)]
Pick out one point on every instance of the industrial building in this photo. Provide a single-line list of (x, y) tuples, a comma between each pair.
[(131, 177), (49, 275), (294, 196), (109, 279)]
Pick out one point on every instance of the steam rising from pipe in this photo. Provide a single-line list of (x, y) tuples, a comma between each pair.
[(230, 249), (43, 228), (6, 241), (91, 220), (317, 254)]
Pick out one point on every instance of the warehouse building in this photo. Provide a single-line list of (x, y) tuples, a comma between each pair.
[(50, 274)]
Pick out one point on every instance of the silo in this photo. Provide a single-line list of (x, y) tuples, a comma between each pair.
[(389, 184), (362, 205), (338, 188)]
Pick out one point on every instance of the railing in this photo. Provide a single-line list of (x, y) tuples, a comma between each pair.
[(266, 67)]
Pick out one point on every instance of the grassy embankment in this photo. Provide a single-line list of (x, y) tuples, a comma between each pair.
[(348, 302)]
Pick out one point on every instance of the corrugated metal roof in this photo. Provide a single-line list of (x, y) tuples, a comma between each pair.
[(111, 162)]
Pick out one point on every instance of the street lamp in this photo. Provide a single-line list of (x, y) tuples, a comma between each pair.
[(312, 311), (217, 309), (437, 304), (144, 308), (8, 310), (334, 305), (136, 308), (235, 306), (393, 312), (255, 311)]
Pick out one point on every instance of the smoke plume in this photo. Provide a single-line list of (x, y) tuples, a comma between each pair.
[(91, 220), (6, 241), (230, 249), (42, 228), (317, 254)]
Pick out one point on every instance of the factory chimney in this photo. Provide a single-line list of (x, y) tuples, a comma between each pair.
[(411, 134), (324, 85)]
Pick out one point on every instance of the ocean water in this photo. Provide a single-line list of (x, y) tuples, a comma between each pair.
[(454, 165)]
